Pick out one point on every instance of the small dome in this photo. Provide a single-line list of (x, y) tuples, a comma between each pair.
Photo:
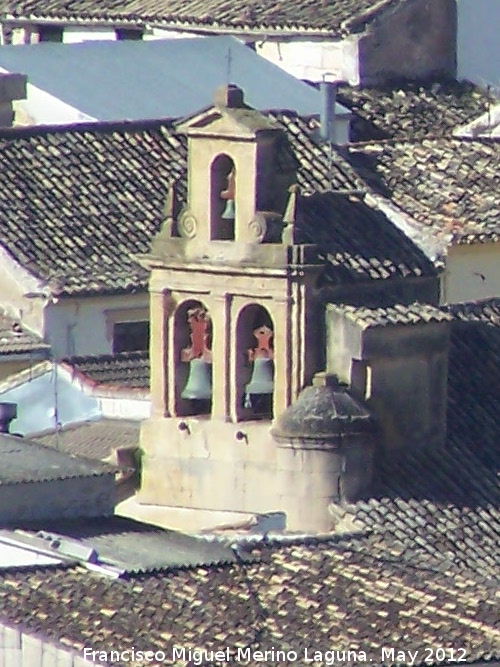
[(321, 414)]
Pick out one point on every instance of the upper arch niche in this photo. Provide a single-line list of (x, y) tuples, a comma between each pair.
[(222, 198), (193, 358), (254, 363)]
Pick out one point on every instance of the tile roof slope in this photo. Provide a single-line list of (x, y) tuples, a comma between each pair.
[(93, 440), (336, 18), (410, 110), (316, 597), (396, 314), (15, 338), (449, 186), (126, 369), (26, 461), (136, 547), (77, 203), (442, 508), (474, 378), (356, 241)]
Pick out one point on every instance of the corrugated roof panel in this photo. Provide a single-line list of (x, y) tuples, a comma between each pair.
[(132, 80)]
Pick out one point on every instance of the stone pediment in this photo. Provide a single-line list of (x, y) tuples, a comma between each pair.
[(238, 121)]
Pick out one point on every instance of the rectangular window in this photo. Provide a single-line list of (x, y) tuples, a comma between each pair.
[(130, 336), (50, 33), (127, 33)]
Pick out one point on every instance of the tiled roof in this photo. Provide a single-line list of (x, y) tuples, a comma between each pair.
[(319, 168), (126, 369), (485, 311), (78, 203), (26, 461), (316, 596), (449, 186), (92, 439), (337, 18), (474, 378), (411, 110), (398, 314), (16, 339), (133, 547), (357, 241), (442, 508), (418, 568)]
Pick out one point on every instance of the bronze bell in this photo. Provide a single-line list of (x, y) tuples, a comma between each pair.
[(262, 381), (199, 382), (228, 213)]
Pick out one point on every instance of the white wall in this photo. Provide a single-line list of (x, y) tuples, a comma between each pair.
[(42, 108), (472, 272), (478, 41), (50, 395), (81, 326), (48, 400), (73, 35), (314, 60), (15, 284)]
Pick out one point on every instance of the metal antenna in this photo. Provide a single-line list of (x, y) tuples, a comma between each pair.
[(57, 425), (488, 88), (229, 59)]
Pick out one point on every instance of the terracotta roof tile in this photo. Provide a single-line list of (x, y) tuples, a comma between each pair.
[(126, 369), (411, 110), (77, 204), (16, 339), (315, 597), (449, 186), (27, 461), (474, 378), (357, 241), (397, 314), (94, 440), (339, 18)]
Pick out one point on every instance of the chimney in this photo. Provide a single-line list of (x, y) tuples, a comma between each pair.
[(329, 100), (12, 87), (8, 412), (230, 96)]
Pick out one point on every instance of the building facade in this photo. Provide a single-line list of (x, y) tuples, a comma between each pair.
[(234, 328)]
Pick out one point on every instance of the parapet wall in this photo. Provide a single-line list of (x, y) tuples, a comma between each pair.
[(216, 465)]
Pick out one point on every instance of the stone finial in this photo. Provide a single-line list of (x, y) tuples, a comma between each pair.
[(169, 210), (230, 96), (290, 215)]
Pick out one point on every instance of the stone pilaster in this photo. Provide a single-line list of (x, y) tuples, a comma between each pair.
[(159, 352)]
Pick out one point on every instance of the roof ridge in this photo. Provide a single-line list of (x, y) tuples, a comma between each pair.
[(369, 14), (111, 356), (98, 127)]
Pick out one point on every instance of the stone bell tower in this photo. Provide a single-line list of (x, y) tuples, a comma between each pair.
[(233, 318)]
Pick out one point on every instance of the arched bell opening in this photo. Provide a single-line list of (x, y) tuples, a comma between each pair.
[(222, 199), (193, 359), (255, 363)]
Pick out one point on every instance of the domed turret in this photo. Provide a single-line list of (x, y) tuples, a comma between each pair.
[(323, 416), (326, 442)]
